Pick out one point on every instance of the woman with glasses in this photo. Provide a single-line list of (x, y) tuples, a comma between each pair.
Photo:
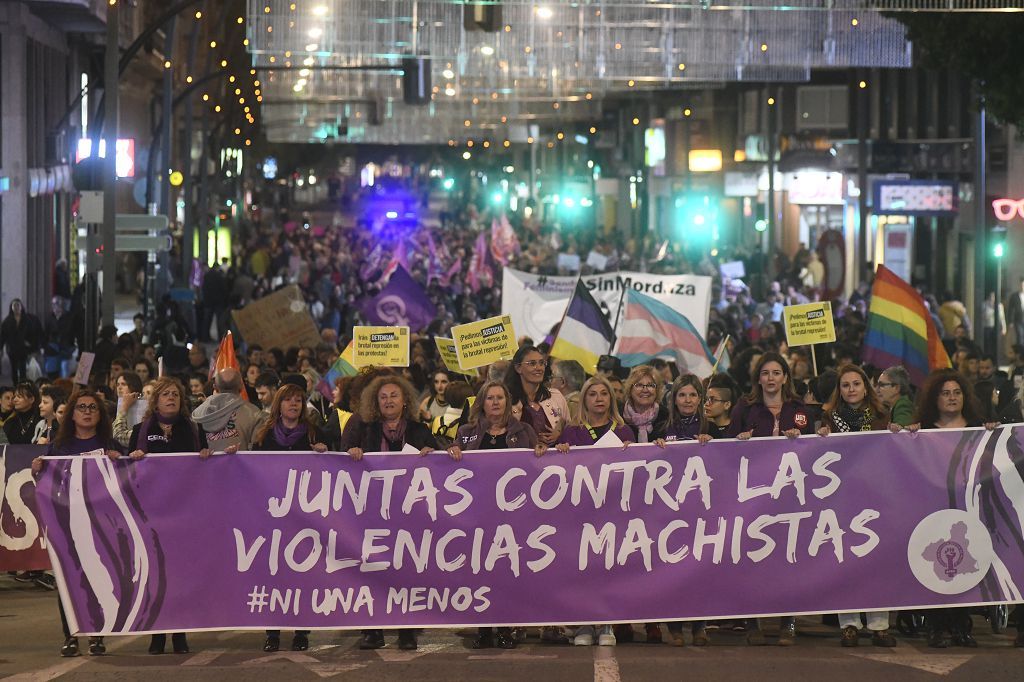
[(491, 427), (894, 391), (543, 408), (854, 407), (646, 417), (546, 410), (770, 409), (946, 401), (720, 396), (168, 427), (87, 429)]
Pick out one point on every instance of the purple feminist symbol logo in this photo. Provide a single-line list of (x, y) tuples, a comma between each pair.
[(950, 554)]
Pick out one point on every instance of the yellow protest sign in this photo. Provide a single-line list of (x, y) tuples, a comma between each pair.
[(809, 323), (481, 343), (380, 346), (446, 348)]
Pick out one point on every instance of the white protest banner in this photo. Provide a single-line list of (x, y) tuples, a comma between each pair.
[(537, 302)]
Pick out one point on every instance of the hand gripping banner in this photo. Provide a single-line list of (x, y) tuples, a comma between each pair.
[(732, 529)]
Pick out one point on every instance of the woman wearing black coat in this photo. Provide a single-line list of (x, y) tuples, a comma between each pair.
[(289, 428), (167, 427), (22, 334), (388, 409)]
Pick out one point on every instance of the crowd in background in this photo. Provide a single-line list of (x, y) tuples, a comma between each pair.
[(277, 400)]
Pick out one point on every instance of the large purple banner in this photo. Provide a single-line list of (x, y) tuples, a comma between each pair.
[(774, 526)]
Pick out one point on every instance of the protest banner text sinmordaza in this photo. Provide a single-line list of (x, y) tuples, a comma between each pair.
[(649, 534)]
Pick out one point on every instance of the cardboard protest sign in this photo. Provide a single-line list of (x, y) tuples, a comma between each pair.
[(380, 346), (280, 320), (483, 342)]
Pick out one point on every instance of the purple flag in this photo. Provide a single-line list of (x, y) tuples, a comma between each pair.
[(724, 530), (401, 303)]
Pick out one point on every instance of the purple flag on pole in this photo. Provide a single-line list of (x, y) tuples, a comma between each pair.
[(402, 303)]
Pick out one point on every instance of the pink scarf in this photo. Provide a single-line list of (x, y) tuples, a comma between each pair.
[(641, 421)]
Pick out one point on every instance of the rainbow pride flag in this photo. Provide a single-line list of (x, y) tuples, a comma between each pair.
[(900, 329), (344, 366)]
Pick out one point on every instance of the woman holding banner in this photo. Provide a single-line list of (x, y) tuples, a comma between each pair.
[(388, 410), (491, 427), (546, 410), (686, 421), (87, 430), (290, 428), (599, 414), (643, 412), (946, 401), (855, 407), (770, 409), (645, 416), (168, 427)]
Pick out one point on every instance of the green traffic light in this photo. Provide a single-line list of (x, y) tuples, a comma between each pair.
[(761, 225), (998, 250), (448, 183)]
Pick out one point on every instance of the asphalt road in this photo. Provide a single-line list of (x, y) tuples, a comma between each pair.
[(30, 638)]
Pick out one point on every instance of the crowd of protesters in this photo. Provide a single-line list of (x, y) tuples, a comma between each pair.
[(152, 390)]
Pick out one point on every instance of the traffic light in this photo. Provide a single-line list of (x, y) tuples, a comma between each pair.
[(697, 216), (998, 250), (448, 184)]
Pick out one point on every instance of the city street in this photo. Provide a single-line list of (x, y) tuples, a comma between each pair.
[(31, 632)]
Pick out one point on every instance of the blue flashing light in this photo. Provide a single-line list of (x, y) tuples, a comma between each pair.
[(391, 215)]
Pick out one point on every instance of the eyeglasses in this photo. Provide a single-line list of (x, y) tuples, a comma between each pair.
[(884, 384), (649, 387), (87, 407), (1005, 209), (534, 363)]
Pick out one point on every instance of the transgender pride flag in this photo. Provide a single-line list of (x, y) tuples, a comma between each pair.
[(650, 329)]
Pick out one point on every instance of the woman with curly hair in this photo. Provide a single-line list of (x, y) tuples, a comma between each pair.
[(168, 427), (388, 409), (946, 401)]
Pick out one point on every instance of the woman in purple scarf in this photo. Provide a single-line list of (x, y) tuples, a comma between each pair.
[(388, 408), (289, 428)]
